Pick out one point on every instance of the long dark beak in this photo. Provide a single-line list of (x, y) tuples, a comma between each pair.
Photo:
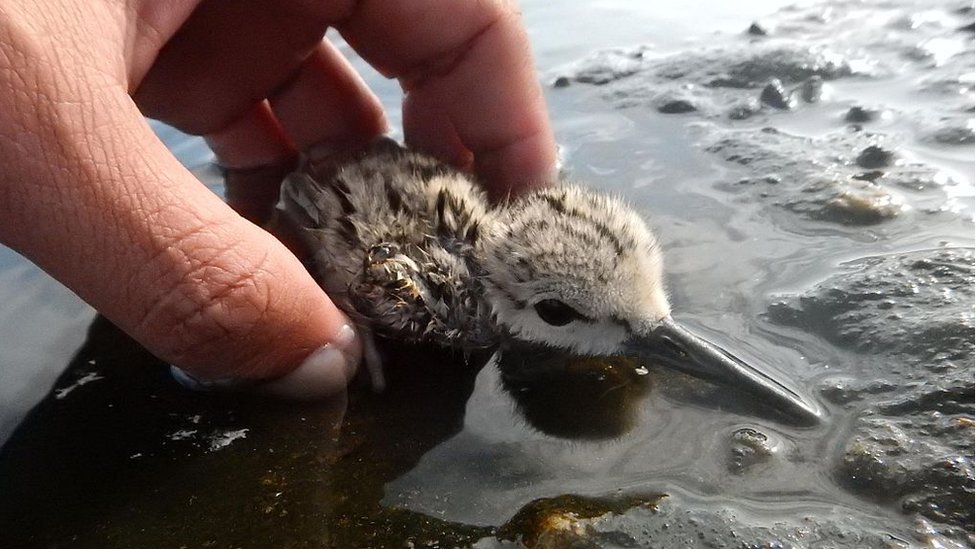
[(673, 346)]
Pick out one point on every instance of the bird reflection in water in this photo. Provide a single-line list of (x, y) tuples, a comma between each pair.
[(572, 396)]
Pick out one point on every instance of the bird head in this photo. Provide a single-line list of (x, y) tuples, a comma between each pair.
[(581, 272), (575, 270)]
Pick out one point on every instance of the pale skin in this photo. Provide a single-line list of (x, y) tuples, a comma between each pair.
[(90, 194)]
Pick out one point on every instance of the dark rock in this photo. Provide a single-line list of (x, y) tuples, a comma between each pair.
[(920, 460), (561, 82), (774, 95), (734, 66), (860, 115), (756, 30), (677, 106), (874, 157)]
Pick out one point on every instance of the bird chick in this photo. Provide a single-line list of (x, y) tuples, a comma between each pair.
[(412, 249)]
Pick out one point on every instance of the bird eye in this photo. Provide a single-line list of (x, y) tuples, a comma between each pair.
[(557, 313)]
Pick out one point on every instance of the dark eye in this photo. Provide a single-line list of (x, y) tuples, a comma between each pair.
[(557, 313)]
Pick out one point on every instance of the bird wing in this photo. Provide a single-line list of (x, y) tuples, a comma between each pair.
[(302, 199)]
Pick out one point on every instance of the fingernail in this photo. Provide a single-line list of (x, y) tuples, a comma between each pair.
[(325, 372), (194, 384)]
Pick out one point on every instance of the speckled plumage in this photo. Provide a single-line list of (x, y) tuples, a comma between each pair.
[(414, 250)]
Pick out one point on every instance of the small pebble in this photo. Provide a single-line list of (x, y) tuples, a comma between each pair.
[(812, 89), (756, 29), (859, 115), (748, 447), (676, 106), (742, 111), (561, 82), (874, 157), (776, 96)]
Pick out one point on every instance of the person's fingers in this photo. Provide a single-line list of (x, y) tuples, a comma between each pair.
[(255, 155), (90, 194), (316, 93), (253, 139), (427, 127), (466, 66), (229, 56), (327, 103)]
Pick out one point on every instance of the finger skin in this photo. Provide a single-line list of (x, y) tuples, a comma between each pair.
[(229, 56), (465, 66), (326, 100), (472, 92), (91, 195), (255, 156)]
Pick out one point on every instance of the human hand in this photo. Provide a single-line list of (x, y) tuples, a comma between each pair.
[(90, 194)]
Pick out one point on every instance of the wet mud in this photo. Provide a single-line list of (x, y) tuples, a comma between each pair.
[(909, 317)]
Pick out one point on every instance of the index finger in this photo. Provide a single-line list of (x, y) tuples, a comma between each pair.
[(471, 85)]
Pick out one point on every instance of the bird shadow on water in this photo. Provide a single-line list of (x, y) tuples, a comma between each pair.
[(119, 455)]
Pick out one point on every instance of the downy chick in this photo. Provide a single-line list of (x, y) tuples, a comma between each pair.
[(413, 250)]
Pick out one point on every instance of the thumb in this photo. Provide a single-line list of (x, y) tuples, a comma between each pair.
[(98, 202)]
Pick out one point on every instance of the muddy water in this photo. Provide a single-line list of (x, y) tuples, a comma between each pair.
[(830, 240)]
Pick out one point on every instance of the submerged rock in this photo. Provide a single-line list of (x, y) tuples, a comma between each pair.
[(776, 96), (715, 81), (569, 521), (676, 521), (874, 157), (823, 178), (754, 66), (755, 29), (749, 448), (812, 89), (814, 44), (860, 115), (910, 318), (676, 106), (918, 304)]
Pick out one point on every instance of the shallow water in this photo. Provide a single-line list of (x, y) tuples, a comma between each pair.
[(752, 267)]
